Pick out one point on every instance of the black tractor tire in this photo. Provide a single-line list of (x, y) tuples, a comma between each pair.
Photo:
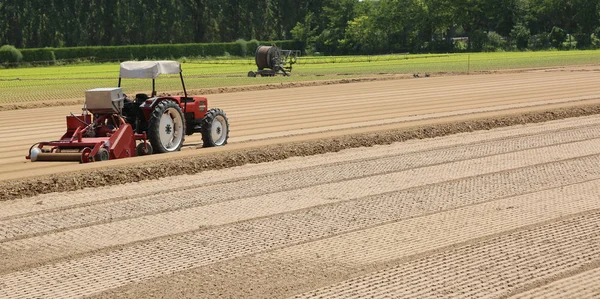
[(172, 129), (142, 150), (217, 119), (102, 155)]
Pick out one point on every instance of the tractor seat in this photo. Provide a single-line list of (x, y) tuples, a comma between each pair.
[(141, 96)]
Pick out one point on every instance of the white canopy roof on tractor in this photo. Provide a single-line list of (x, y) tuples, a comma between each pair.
[(149, 69)]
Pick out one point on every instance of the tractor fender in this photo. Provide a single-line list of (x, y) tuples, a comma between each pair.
[(151, 102), (148, 105)]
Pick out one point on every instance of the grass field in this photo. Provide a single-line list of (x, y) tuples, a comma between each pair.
[(70, 81)]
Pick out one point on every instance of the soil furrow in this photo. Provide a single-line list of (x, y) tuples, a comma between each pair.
[(296, 180), (190, 165), (490, 268), (348, 251), (499, 81), (583, 285), (492, 213), (61, 201), (294, 116), (123, 232), (290, 119)]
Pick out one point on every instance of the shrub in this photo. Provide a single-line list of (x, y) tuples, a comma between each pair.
[(440, 45), (477, 40), (584, 40), (45, 55), (10, 55), (495, 42), (595, 39), (141, 52), (216, 49), (243, 47), (520, 35), (557, 37), (285, 44), (251, 47), (540, 41)]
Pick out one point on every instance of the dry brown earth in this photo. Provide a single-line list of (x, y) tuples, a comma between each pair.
[(513, 211), (268, 118)]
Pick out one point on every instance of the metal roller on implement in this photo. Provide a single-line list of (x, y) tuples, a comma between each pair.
[(75, 157), (39, 154)]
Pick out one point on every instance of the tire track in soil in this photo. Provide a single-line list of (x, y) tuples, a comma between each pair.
[(296, 179)]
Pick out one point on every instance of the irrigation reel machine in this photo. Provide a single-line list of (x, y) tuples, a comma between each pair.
[(272, 61)]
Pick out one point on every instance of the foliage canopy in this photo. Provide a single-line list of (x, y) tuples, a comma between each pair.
[(330, 26)]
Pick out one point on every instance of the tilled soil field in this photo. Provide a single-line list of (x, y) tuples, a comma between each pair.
[(271, 117), (509, 212)]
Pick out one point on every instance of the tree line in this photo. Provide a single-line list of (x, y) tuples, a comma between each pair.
[(330, 26), (71, 23)]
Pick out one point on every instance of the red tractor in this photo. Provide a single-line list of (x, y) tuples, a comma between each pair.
[(115, 126)]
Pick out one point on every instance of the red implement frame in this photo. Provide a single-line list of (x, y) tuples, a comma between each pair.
[(111, 131)]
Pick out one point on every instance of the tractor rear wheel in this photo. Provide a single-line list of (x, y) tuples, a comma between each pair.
[(215, 128), (166, 127)]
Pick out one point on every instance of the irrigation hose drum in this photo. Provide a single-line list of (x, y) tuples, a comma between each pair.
[(264, 57)]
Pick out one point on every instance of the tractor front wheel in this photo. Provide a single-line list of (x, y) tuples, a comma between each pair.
[(215, 128), (166, 127)]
